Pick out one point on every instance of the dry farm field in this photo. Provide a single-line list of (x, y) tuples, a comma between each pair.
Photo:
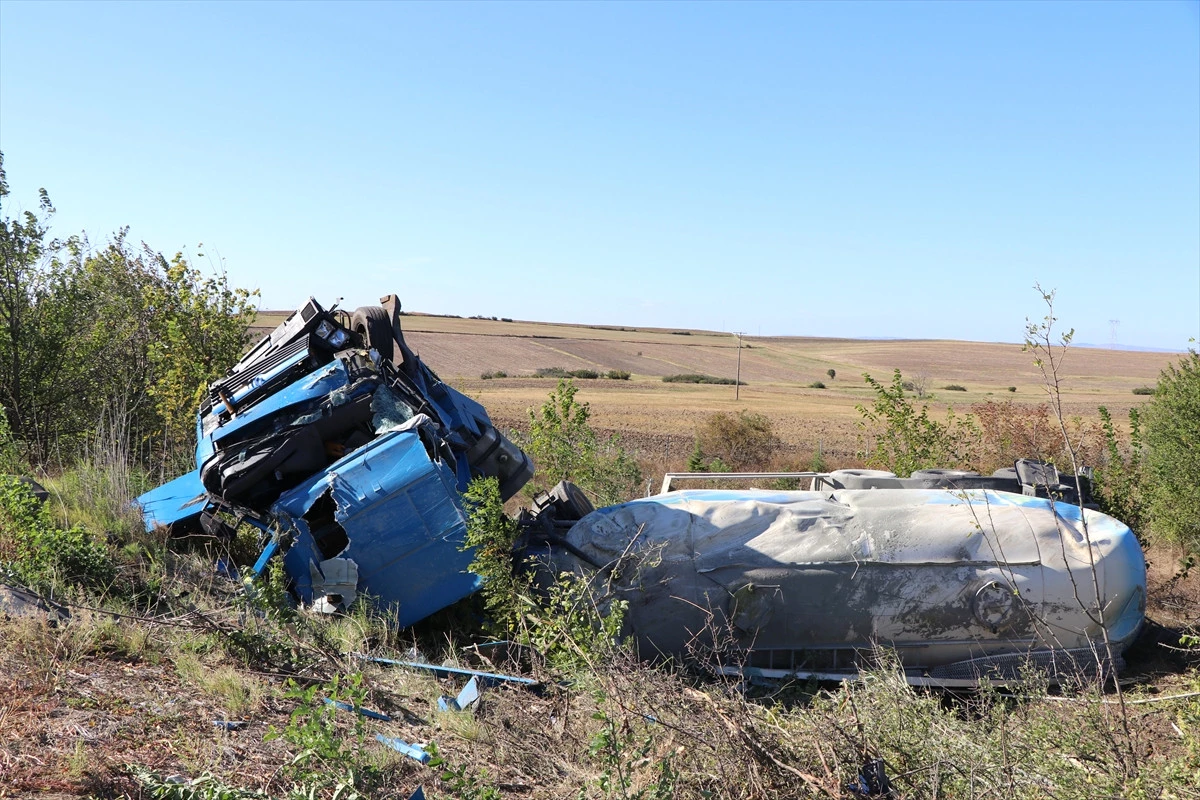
[(657, 420)]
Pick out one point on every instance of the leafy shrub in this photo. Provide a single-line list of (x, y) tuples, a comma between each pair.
[(487, 376), (832, 373), (1144, 390), (682, 333), (40, 553), (325, 759), (816, 385), (617, 375), (564, 622), (586, 374), (742, 442), (550, 372), (954, 387), (1120, 483), (1172, 455), (564, 446), (491, 534), (903, 439), (693, 377), (1012, 389)]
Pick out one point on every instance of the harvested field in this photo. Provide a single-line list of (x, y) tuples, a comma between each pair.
[(657, 420)]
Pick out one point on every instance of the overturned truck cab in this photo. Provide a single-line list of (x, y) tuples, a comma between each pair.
[(337, 441)]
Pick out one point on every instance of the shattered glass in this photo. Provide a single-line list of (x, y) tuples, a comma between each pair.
[(390, 412)]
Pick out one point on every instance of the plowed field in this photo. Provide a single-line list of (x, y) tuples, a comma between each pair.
[(658, 419)]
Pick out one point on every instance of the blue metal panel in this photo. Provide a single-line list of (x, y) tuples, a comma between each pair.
[(312, 386), (180, 500), (403, 518)]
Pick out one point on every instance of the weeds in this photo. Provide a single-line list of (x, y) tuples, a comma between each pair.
[(324, 757)]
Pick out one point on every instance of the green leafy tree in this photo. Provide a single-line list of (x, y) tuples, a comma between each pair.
[(565, 448), (199, 333), (903, 439), (117, 333), (37, 302), (1172, 436)]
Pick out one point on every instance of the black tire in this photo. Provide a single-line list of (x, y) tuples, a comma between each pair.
[(374, 327)]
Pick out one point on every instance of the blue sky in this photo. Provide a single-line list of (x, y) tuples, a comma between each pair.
[(846, 169)]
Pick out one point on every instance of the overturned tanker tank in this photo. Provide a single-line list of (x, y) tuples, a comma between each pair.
[(350, 455), (962, 576)]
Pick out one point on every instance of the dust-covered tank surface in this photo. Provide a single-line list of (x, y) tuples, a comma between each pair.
[(350, 455), (959, 583)]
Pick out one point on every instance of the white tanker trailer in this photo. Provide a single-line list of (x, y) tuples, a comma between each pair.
[(960, 583)]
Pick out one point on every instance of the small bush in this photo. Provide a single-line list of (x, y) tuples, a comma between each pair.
[(832, 373), (586, 374), (41, 554), (617, 375), (742, 442), (491, 535), (1144, 390), (487, 376), (693, 377), (954, 387), (1009, 430), (564, 446), (550, 372), (1012, 389), (682, 333), (902, 439), (816, 385)]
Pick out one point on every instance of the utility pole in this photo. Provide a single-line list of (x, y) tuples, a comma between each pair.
[(737, 383)]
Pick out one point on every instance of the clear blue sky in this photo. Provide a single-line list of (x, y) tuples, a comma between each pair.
[(845, 169)]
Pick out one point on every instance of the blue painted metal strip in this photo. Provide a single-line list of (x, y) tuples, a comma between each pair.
[(338, 704), (401, 746), (268, 551), (446, 672)]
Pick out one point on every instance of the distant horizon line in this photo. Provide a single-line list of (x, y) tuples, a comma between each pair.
[(617, 327)]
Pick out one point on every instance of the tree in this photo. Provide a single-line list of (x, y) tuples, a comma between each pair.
[(118, 332), (35, 329), (1172, 459), (199, 330), (565, 448), (832, 373)]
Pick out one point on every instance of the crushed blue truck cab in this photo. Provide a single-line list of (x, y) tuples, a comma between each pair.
[(338, 442)]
